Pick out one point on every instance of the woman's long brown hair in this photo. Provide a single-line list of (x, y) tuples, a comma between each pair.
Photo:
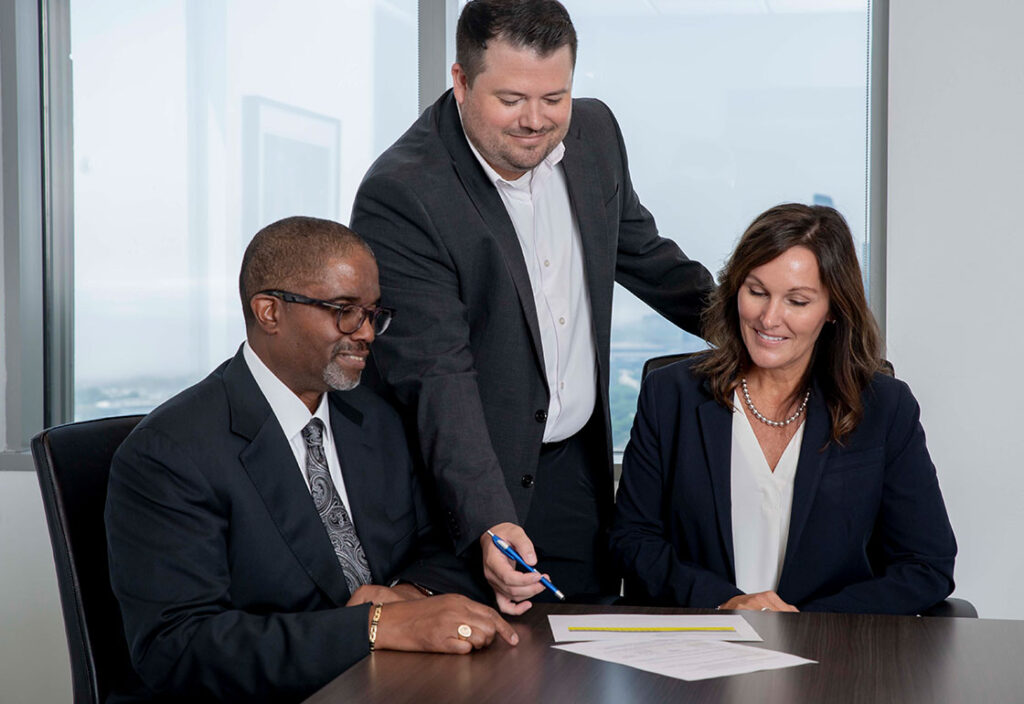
[(848, 351)]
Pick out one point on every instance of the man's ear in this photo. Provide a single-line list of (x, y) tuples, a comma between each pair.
[(267, 311), (460, 83)]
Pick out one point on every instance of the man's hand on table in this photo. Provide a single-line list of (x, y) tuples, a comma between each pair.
[(761, 601), (432, 625)]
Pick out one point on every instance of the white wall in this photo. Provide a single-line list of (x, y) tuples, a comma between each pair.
[(954, 283), (34, 665)]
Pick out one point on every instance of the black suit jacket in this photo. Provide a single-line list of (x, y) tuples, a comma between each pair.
[(226, 578), (868, 527), (463, 355)]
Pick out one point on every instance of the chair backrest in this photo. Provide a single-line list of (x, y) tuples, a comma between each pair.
[(657, 362), (73, 464)]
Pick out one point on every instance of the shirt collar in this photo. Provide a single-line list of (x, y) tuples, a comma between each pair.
[(523, 182), (288, 408)]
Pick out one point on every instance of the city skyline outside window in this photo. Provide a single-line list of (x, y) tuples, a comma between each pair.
[(726, 110)]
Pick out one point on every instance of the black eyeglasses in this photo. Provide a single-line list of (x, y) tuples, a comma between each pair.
[(351, 316)]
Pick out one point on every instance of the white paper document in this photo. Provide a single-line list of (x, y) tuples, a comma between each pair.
[(685, 659), (648, 626)]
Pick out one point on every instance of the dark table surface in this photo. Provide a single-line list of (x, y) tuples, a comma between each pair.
[(860, 658)]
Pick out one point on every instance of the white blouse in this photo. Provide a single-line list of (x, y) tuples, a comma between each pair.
[(761, 504)]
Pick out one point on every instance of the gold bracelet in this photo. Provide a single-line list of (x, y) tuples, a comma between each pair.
[(373, 626)]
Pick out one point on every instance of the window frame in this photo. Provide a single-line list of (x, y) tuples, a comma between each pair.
[(22, 412)]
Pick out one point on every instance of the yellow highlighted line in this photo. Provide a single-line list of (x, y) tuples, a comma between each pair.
[(653, 629)]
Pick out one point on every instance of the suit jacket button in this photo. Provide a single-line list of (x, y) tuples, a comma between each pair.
[(541, 416), (527, 481)]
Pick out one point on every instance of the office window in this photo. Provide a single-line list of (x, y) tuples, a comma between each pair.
[(196, 122), (727, 109)]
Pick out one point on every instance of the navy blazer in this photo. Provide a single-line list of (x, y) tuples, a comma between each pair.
[(868, 528), (227, 580)]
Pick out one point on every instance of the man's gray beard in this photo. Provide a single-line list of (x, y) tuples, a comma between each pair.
[(336, 379)]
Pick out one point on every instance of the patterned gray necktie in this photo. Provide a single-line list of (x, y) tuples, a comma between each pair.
[(332, 511)]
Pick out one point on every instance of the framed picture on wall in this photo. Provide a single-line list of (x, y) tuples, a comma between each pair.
[(291, 163)]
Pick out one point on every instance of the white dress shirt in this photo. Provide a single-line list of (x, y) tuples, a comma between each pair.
[(762, 501), (538, 205), (293, 416)]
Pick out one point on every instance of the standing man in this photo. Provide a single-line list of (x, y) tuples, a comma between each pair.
[(265, 528), (502, 218)]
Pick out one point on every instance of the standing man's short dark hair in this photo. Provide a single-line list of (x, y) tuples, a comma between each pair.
[(502, 219), (253, 518), (540, 25)]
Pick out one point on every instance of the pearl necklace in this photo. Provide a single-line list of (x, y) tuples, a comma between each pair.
[(766, 421)]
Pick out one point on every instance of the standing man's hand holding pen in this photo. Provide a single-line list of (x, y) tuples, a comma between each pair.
[(511, 587)]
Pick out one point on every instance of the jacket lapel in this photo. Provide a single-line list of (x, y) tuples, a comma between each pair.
[(270, 464), (808, 473), (581, 175), (492, 210), (716, 431)]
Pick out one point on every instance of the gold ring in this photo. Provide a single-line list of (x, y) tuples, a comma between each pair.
[(465, 632)]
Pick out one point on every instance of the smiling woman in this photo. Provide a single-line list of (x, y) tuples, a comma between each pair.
[(816, 491), (794, 271)]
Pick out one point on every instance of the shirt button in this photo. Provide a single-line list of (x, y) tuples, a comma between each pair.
[(561, 320), (527, 481), (541, 416), (561, 384), (547, 263)]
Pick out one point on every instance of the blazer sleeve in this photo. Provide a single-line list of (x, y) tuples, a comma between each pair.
[(169, 558), (652, 267), (427, 360), (434, 565), (641, 545), (912, 531)]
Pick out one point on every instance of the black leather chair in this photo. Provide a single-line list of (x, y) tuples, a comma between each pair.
[(663, 361), (73, 463), (960, 608)]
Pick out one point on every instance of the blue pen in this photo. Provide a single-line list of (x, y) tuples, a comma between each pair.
[(509, 551)]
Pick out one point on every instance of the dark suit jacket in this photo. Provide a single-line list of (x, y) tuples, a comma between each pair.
[(868, 529), (463, 355), (226, 578)]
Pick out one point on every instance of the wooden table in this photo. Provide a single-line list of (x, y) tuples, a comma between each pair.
[(872, 659)]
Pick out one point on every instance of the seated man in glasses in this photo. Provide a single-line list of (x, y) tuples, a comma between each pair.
[(265, 527)]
